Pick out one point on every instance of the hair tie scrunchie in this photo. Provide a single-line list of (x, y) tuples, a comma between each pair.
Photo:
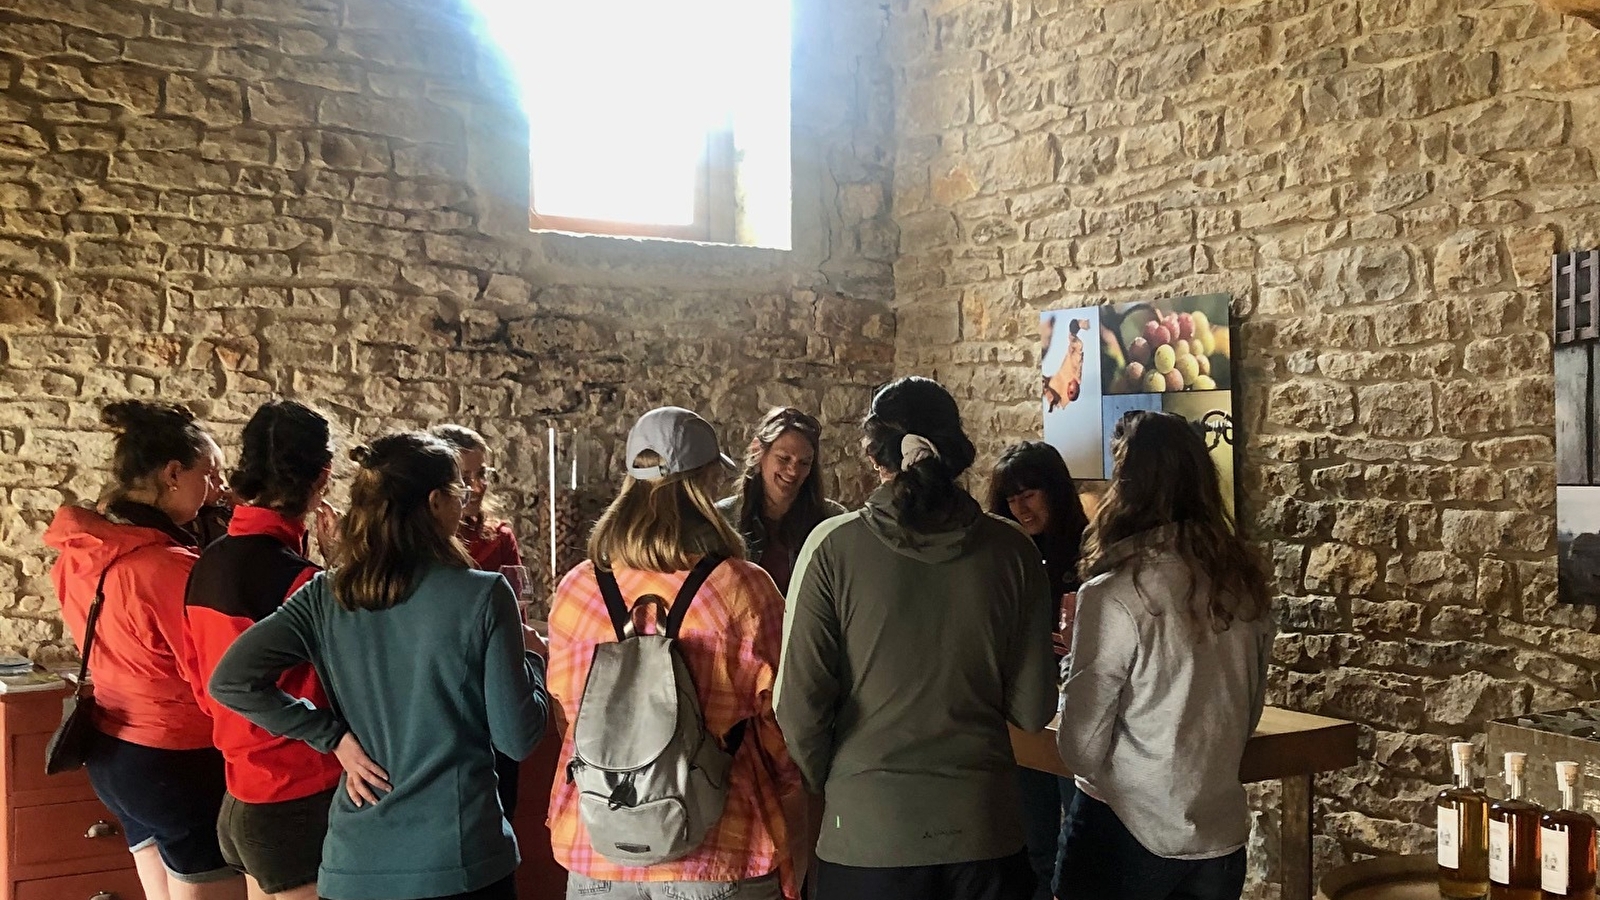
[(915, 448), (361, 455)]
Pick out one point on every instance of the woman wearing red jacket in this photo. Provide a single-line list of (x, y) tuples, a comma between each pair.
[(490, 542), (153, 764), (275, 814)]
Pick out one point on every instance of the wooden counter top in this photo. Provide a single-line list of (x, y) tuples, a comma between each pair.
[(1286, 743)]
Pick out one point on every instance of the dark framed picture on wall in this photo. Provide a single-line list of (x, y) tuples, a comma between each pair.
[(1101, 362), (1576, 290)]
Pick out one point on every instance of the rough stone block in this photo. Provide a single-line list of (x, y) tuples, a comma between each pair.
[(216, 101), (1310, 405), (1510, 124), (1341, 569), (1425, 86), (1467, 260)]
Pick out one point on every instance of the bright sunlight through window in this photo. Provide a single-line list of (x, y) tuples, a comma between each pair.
[(654, 119)]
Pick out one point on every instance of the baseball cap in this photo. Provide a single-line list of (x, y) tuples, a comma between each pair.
[(683, 440)]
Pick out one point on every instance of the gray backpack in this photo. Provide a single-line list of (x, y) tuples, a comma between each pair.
[(651, 780)]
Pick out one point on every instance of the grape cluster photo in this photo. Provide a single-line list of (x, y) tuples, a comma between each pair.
[(1153, 348)]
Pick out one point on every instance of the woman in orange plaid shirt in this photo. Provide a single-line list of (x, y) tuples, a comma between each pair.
[(659, 526)]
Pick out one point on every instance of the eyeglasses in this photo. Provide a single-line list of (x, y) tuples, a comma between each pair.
[(466, 493)]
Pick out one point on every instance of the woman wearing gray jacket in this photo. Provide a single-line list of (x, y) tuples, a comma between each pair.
[(916, 629), (1166, 680)]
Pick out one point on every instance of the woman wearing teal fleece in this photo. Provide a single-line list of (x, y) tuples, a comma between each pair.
[(427, 665)]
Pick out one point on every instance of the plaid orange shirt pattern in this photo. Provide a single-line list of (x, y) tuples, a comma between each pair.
[(730, 641)]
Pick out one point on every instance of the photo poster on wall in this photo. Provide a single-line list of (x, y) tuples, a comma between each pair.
[(1576, 289), (1100, 362)]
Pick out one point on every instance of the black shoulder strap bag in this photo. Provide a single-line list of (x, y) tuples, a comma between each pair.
[(69, 746)]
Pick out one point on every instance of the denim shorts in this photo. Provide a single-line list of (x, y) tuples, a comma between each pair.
[(165, 798), (277, 844)]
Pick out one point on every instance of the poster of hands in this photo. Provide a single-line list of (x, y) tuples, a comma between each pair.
[(1100, 362)]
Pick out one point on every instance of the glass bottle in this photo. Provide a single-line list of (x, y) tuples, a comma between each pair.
[(1514, 839), (1566, 843), (1463, 832)]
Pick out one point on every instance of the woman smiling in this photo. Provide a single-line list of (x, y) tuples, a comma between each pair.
[(780, 492)]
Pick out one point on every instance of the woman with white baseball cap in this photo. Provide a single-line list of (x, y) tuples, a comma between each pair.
[(662, 528)]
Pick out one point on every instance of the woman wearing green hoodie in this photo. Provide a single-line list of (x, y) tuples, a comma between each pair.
[(916, 629)]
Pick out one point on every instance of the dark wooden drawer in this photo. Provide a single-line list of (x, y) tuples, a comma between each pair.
[(65, 832), (27, 768), (121, 884)]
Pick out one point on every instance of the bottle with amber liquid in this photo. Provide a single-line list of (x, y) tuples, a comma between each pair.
[(1566, 843), (1463, 832), (1514, 839)]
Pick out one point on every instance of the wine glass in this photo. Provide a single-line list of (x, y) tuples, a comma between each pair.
[(521, 585), (1066, 618)]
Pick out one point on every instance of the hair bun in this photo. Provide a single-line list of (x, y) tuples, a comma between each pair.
[(361, 454), (125, 415)]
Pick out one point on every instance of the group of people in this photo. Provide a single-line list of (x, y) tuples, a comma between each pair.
[(848, 678)]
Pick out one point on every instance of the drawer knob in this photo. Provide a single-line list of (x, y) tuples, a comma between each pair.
[(99, 830), (104, 895)]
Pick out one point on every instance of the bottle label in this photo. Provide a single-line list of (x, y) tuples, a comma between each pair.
[(1500, 852), (1449, 837), (1553, 860)]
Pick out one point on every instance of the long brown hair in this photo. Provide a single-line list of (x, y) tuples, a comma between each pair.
[(390, 536), (665, 524), (1164, 478), (808, 509)]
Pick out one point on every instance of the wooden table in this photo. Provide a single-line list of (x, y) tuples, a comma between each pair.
[(1289, 746)]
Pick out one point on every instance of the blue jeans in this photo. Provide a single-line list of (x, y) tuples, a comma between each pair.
[(1102, 860), (1041, 825)]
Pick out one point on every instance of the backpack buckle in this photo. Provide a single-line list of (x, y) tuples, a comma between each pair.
[(623, 795)]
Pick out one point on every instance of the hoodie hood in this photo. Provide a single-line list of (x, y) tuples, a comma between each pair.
[(951, 542), (89, 541)]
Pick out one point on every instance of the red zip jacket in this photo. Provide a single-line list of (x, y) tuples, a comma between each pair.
[(239, 580), (140, 690)]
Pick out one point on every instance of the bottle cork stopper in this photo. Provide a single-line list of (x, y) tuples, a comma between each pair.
[(1461, 750), (1567, 772), (1516, 763)]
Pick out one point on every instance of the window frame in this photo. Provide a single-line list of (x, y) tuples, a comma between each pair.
[(715, 204)]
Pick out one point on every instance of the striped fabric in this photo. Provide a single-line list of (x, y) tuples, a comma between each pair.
[(730, 641)]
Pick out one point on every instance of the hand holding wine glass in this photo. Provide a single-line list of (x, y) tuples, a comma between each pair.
[(1066, 618)]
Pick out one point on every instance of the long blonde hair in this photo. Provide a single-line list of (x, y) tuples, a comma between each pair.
[(663, 525)]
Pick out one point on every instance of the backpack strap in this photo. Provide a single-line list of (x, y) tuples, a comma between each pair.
[(615, 605), (691, 586)]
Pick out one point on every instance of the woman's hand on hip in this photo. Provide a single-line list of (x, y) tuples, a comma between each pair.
[(363, 777)]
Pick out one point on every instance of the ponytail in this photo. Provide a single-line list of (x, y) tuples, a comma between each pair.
[(914, 430)]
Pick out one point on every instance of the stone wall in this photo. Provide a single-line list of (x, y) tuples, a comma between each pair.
[(219, 201), (1380, 184)]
